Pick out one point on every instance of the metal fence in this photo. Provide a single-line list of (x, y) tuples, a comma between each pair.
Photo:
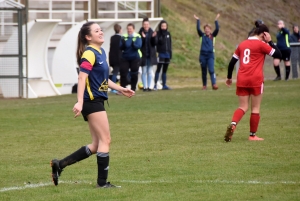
[(13, 52)]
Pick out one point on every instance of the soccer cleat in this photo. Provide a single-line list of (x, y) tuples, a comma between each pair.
[(204, 88), (154, 88), (108, 185), (277, 78), (229, 132), (149, 90), (56, 171), (255, 138), (215, 87), (144, 90), (165, 87)]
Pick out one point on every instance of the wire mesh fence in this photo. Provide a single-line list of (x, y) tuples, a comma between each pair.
[(13, 51)]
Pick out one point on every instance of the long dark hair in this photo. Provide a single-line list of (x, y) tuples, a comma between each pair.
[(81, 41), (261, 29), (162, 22)]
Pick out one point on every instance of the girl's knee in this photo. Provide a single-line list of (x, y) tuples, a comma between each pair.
[(106, 140), (244, 108), (93, 147)]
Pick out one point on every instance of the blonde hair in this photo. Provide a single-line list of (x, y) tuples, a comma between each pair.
[(207, 25)]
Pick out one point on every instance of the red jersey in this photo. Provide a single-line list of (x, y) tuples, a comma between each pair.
[(251, 54)]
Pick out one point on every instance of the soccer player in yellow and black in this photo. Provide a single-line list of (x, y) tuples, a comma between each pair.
[(93, 83)]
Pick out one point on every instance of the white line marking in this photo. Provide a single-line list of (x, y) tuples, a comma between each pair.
[(215, 181), (38, 185)]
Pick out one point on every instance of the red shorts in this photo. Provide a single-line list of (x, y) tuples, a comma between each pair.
[(247, 91)]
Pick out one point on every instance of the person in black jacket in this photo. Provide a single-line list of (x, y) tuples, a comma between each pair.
[(115, 53), (295, 54), (148, 53), (164, 49), (283, 45)]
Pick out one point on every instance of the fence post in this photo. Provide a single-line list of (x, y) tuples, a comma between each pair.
[(20, 52)]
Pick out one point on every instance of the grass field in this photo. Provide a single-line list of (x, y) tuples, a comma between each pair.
[(167, 145)]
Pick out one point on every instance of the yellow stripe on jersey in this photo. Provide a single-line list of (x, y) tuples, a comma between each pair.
[(99, 50), (89, 89), (90, 56), (287, 40)]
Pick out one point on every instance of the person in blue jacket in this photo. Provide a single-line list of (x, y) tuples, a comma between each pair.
[(207, 56), (283, 45), (130, 45)]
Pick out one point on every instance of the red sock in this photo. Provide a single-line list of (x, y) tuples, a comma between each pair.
[(254, 121), (237, 115)]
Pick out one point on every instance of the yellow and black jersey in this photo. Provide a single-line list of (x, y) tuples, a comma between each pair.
[(94, 63)]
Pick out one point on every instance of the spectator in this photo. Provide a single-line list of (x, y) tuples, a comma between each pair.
[(284, 46), (130, 44), (295, 55), (207, 56), (148, 53), (164, 49), (256, 23), (115, 53)]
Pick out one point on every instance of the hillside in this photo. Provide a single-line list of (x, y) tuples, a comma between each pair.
[(237, 17)]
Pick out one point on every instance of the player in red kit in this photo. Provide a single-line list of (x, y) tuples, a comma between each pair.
[(250, 78)]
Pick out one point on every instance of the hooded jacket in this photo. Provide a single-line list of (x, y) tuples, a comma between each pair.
[(164, 40), (148, 44)]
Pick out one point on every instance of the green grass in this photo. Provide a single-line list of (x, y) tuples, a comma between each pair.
[(166, 145)]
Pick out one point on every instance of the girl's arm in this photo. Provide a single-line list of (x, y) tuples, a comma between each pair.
[(80, 91), (200, 33), (216, 31), (126, 92), (137, 44), (170, 46)]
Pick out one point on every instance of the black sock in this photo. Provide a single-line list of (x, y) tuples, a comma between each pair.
[(277, 70), (287, 72), (252, 134), (82, 153), (103, 166)]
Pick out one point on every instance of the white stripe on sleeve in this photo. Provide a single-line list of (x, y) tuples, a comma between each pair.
[(235, 56), (272, 52)]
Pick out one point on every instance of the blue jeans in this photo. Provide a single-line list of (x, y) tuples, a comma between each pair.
[(147, 74), (207, 61)]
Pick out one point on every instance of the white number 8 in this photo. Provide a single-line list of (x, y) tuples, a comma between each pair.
[(246, 58)]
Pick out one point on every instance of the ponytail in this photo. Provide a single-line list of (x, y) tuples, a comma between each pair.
[(81, 40)]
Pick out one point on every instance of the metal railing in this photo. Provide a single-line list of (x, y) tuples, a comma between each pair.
[(134, 8), (67, 10)]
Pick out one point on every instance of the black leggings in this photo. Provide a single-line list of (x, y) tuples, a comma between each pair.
[(164, 65), (133, 65)]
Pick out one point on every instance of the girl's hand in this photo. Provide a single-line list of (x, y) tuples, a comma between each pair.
[(228, 82), (77, 109), (127, 92), (154, 34), (217, 16), (195, 16), (267, 37)]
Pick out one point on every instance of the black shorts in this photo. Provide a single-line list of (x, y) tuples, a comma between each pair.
[(92, 106), (286, 55), (163, 60)]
